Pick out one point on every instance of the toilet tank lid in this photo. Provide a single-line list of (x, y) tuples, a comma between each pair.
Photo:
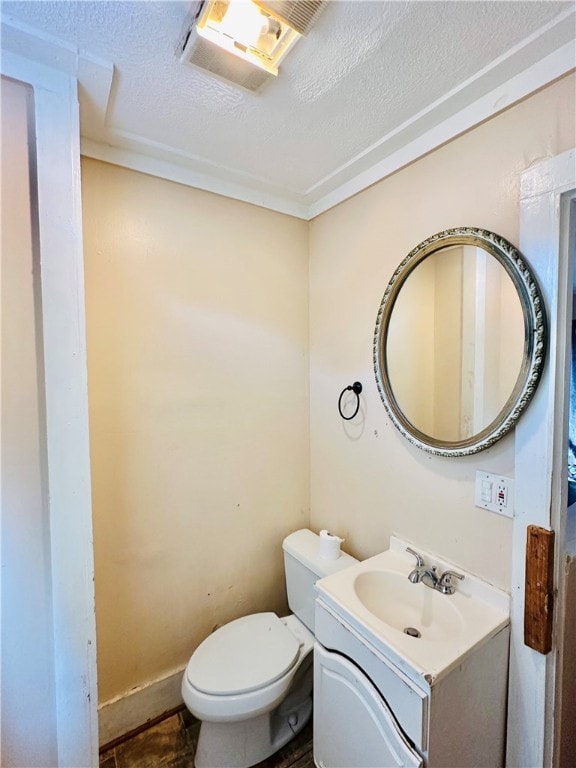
[(304, 546)]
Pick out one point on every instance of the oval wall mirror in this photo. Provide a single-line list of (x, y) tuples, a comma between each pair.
[(460, 341)]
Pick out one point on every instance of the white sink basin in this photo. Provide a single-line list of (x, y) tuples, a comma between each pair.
[(418, 627), (409, 608)]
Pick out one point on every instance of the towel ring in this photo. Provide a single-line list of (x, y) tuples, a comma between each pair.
[(356, 388)]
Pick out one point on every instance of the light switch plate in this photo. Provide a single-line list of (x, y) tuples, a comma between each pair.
[(495, 493)]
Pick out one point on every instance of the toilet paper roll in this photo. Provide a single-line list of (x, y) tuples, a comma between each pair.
[(329, 545)]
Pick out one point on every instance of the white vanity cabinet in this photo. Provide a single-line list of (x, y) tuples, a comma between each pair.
[(370, 713)]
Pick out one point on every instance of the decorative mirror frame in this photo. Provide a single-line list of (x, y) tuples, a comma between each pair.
[(535, 335)]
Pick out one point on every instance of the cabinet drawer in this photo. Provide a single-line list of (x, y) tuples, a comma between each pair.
[(408, 703)]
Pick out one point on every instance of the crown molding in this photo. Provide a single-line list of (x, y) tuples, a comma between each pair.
[(545, 72), (138, 157), (542, 58)]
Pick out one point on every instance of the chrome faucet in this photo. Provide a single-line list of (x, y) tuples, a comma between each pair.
[(429, 575), (416, 575)]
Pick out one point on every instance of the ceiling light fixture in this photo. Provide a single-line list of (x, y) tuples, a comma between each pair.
[(247, 31), (258, 34)]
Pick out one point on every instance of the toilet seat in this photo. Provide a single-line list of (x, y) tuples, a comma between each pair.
[(221, 707), (242, 656)]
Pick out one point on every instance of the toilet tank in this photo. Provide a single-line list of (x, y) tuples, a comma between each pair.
[(303, 567)]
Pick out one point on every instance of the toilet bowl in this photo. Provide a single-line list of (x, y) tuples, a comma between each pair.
[(250, 681)]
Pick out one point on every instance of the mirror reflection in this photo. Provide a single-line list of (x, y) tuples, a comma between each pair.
[(455, 343)]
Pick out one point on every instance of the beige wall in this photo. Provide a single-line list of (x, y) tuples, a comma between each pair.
[(197, 310), (367, 482), (197, 314)]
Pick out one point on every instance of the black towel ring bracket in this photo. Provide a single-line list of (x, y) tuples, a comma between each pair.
[(356, 388)]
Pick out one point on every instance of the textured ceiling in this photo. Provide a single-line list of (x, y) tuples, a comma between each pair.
[(370, 77)]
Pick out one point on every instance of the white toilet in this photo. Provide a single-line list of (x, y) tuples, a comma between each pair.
[(250, 682)]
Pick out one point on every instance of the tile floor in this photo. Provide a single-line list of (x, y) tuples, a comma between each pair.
[(172, 743)]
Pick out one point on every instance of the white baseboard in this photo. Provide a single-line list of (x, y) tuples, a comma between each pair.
[(135, 708)]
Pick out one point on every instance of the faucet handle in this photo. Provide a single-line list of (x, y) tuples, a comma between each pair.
[(419, 558), (445, 582)]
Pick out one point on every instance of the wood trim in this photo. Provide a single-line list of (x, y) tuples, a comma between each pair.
[(537, 458), (125, 714), (539, 589), (144, 727), (58, 239)]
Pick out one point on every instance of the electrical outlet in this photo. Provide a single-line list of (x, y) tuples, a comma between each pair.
[(495, 493)]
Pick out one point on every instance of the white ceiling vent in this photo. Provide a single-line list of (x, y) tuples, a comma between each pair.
[(243, 42), (299, 14), (207, 56)]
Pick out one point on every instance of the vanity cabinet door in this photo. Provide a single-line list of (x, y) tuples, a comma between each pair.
[(353, 726)]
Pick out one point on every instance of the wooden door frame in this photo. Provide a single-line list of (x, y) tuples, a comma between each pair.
[(56, 160), (539, 457)]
